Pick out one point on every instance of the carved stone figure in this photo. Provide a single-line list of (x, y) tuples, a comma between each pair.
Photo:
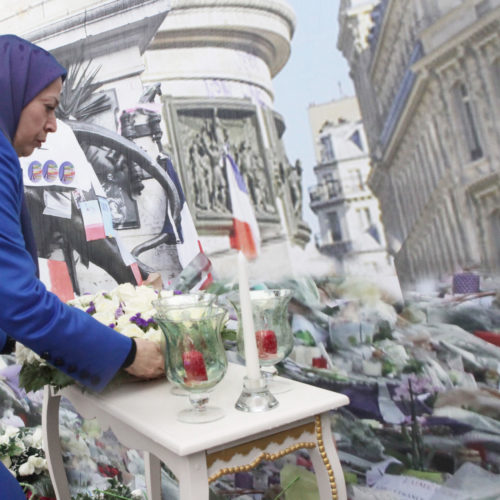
[(295, 183), (213, 150), (202, 174)]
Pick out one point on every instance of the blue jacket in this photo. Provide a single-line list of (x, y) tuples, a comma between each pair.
[(66, 337)]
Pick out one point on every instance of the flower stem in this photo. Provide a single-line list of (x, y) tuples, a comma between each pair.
[(287, 487), (115, 495)]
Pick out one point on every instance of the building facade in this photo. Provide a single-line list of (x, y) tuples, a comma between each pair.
[(347, 211), (189, 78), (427, 78)]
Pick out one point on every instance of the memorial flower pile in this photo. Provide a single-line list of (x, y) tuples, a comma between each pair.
[(422, 380), (127, 308), (21, 452)]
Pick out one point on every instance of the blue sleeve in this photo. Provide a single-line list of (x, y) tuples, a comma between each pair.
[(3, 340), (66, 337)]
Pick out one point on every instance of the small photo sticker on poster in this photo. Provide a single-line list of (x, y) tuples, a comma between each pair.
[(67, 172), (35, 171), (50, 171)]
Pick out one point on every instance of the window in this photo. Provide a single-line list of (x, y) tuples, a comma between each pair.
[(364, 218), (327, 154), (468, 122), (359, 178), (356, 138), (334, 225), (356, 181), (332, 186)]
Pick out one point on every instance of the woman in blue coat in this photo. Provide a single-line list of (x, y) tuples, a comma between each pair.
[(30, 85)]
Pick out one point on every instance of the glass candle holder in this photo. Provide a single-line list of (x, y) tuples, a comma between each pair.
[(173, 301), (273, 333), (194, 355)]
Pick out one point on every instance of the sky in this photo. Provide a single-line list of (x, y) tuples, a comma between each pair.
[(315, 73)]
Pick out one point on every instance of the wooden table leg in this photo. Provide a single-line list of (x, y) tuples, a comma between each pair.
[(326, 462), (152, 467), (52, 445), (193, 477)]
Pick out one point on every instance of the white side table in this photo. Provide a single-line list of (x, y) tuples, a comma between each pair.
[(143, 416)]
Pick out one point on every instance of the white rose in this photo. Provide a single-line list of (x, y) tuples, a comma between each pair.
[(81, 302), (104, 304), (76, 304), (38, 463), (36, 438), (7, 433), (131, 330), (141, 300), (6, 461), (124, 291), (20, 445), (105, 317), (123, 321), (26, 355), (148, 313), (26, 469)]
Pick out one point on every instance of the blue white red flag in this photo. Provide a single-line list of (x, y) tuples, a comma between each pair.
[(55, 276), (185, 234), (245, 235)]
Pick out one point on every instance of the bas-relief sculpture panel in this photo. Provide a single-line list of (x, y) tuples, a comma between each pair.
[(201, 131)]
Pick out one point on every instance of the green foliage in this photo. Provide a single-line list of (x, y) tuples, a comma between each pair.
[(388, 367), (298, 483), (435, 477), (228, 334), (115, 491), (384, 331), (33, 376), (414, 366), (352, 340), (350, 477), (305, 337), (9, 449), (219, 288)]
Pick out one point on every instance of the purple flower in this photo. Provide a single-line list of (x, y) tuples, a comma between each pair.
[(112, 325), (177, 292), (91, 308), (119, 312), (143, 324)]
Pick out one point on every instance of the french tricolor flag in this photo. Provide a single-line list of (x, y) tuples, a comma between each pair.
[(245, 234), (55, 276), (188, 243)]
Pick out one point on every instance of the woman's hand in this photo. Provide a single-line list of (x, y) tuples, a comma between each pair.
[(148, 362)]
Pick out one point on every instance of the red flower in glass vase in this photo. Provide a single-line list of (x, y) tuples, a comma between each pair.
[(194, 364), (267, 344)]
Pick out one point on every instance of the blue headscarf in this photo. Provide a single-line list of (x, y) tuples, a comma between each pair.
[(25, 70)]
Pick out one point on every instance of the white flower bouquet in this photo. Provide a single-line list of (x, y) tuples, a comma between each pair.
[(22, 453), (128, 309)]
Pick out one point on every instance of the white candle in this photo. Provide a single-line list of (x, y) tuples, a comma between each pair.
[(251, 353)]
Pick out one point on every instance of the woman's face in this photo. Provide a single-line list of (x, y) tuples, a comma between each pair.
[(37, 119)]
